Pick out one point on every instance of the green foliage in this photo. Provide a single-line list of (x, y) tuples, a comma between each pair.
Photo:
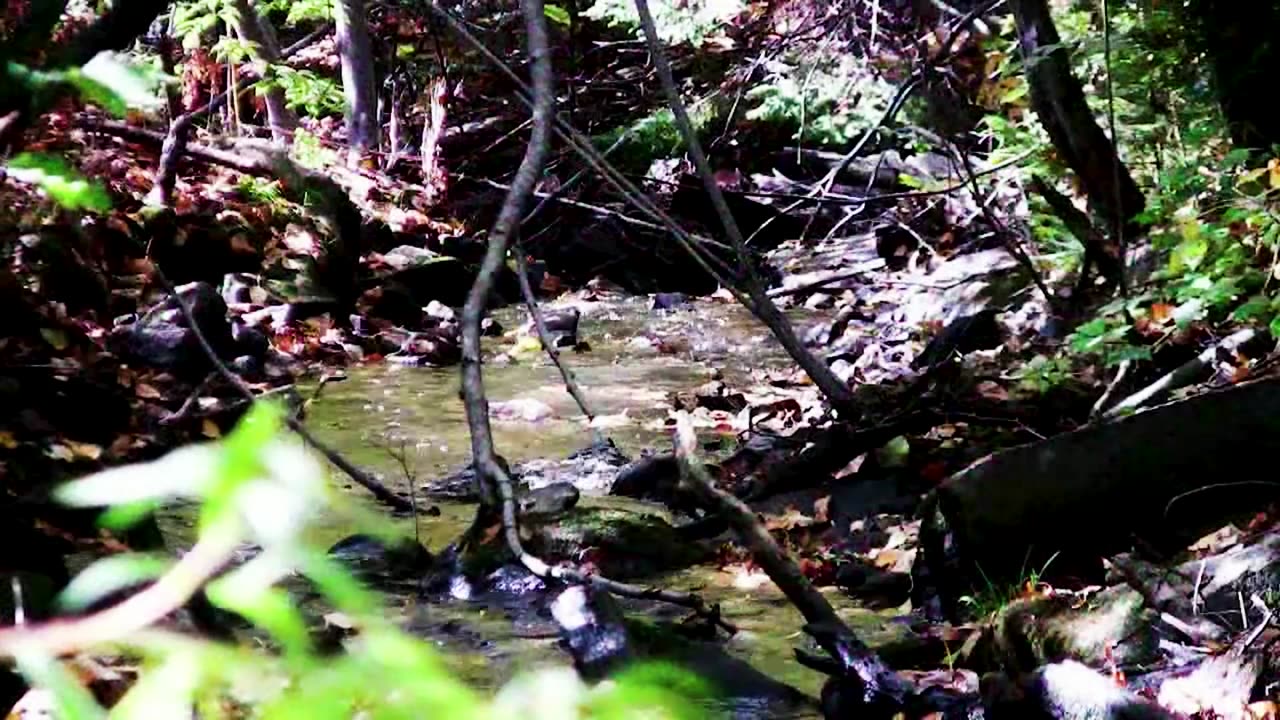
[(987, 601), (108, 80), (827, 101), (258, 486), (310, 152), (194, 18), (300, 11), (692, 22), (62, 183), (557, 14), (651, 137), (316, 95)]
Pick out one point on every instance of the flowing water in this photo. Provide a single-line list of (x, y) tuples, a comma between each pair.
[(418, 410)]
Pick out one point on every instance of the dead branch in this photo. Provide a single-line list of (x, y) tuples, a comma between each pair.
[(213, 155), (758, 302), (1187, 373), (175, 140), (548, 344), (370, 483), (858, 659), (494, 484)]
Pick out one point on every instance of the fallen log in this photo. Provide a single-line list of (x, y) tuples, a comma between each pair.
[(1155, 480)]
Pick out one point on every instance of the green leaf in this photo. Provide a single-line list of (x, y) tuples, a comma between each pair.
[(910, 181), (556, 14), (1189, 253), (894, 453), (118, 85), (126, 515), (73, 700), (109, 575), (183, 473), (269, 608), (59, 181), (164, 691)]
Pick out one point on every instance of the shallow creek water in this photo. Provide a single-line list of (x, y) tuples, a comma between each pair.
[(421, 406)]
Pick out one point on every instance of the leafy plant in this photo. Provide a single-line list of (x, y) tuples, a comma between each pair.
[(988, 601), (315, 94), (692, 22), (261, 487)]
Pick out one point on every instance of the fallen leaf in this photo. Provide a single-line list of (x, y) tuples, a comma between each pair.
[(821, 508), (210, 429), (1161, 312), (7, 440), (147, 392), (992, 391), (84, 451)]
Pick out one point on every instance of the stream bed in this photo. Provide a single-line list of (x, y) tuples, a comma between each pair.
[(384, 406)]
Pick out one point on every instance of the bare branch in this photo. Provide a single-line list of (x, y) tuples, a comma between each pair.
[(548, 344), (836, 391)]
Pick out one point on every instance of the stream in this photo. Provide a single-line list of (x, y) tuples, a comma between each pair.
[(420, 410)]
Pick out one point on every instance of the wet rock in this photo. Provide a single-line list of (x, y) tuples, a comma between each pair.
[(249, 340), (514, 580), (877, 589), (1065, 691), (440, 311), (670, 301), (624, 543), (162, 338), (1114, 626), (592, 628), (460, 486), (592, 469), (562, 326), (437, 347), (527, 410), (655, 478), (368, 556), (237, 288), (394, 303), (549, 501), (965, 334), (247, 366)]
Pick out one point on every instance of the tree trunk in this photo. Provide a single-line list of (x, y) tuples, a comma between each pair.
[(358, 81), (255, 30), (1244, 55), (1058, 99)]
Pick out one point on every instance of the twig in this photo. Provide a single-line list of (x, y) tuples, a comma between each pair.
[(1183, 375), (175, 140), (861, 269), (582, 146), (836, 391), (1015, 248), (183, 412), (548, 344), (1105, 401), (495, 486), (771, 557), (379, 491)]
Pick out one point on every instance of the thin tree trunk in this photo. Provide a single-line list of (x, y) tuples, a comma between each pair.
[(358, 82), (1058, 99), (252, 28)]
